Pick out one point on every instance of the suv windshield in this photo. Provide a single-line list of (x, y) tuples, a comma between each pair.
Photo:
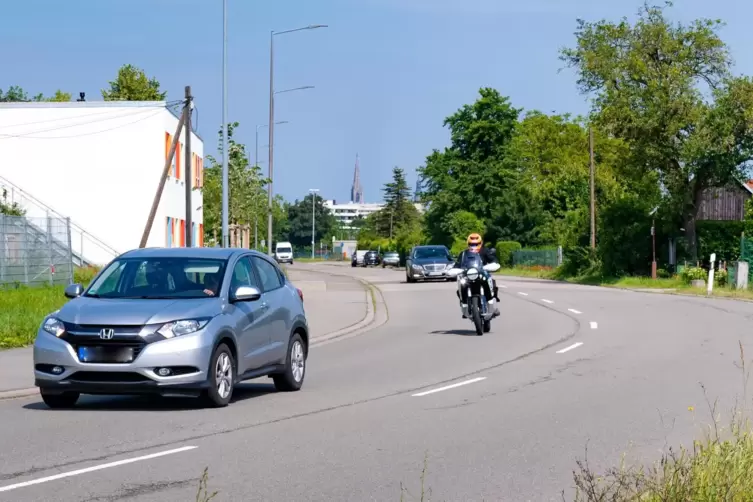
[(159, 278), (422, 253)]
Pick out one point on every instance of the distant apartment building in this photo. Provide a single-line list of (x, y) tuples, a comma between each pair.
[(99, 164), (347, 212)]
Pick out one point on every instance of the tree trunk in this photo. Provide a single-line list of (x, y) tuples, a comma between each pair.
[(690, 217)]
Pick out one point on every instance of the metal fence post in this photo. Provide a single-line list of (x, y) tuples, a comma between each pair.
[(49, 245), (70, 249), (2, 249), (24, 251)]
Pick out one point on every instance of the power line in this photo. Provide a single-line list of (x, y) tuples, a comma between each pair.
[(170, 104), (29, 134)]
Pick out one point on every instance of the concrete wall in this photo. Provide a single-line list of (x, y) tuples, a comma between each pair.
[(98, 163)]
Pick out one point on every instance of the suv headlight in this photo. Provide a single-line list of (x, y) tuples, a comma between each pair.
[(53, 326), (183, 327)]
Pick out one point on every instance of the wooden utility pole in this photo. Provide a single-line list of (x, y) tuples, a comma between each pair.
[(593, 190), (162, 181), (189, 172)]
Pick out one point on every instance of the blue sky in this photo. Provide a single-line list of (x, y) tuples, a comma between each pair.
[(386, 72)]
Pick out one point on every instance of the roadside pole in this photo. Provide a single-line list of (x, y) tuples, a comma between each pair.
[(188, 170)]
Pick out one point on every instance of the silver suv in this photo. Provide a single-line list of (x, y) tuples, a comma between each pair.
[(174, 322)]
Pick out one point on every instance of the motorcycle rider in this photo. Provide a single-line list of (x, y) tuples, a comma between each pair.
[(475, 245)]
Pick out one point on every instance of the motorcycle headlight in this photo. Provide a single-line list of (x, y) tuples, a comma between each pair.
[(53, 326), (183, 327), (472, 274)]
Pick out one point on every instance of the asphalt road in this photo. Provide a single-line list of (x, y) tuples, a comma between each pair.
[(564, 367)]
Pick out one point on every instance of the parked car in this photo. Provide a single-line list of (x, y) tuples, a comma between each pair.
[(371, 258), (357, 258), (284, 252), (391, 258), (428, 263), (174, 322)]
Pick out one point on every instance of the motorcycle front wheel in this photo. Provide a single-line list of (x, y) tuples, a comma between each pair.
[(476, 315)]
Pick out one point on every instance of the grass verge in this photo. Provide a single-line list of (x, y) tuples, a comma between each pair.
[(22, 309), (719, 467), (669, 285)]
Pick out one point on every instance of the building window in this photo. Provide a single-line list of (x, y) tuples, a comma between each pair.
[(178, 148)]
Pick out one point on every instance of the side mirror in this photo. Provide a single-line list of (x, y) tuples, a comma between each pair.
[(454, 272), (246, 294), (492, 267), (73, 290)]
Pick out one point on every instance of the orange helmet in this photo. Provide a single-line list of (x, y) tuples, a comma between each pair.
[(474, 242)]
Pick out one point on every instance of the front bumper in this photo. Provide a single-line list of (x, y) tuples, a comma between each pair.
[(188, 356), (287, 259), (430, 275)]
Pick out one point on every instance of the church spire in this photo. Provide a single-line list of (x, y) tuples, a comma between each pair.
[(356, 191)]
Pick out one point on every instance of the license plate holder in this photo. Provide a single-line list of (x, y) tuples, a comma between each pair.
[(435, 274), (113, 355)]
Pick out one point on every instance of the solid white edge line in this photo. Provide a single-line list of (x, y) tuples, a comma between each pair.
[(575, 311), (521, 293), (594, 325), (94, 468), (447, 387), (546, 301), (571, 347)]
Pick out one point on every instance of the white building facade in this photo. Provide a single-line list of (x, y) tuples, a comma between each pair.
[(99, 164), (347, 212)]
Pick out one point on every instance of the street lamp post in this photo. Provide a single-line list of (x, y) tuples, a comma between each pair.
[(256, 149), (313, 220), (225, 196), (272, 121)]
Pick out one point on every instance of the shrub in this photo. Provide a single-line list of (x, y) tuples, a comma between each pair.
[(581, 261), (721, 278), (84, 275), (458, 246), (693, 274), (505, 249)]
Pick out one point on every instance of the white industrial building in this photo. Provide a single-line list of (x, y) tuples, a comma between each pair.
[(99, 164), (347, 212)]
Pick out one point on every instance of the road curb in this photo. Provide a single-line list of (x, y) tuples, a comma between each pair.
[(370, 321)]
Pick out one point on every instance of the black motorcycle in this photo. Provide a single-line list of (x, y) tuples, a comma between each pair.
[(471, 277)]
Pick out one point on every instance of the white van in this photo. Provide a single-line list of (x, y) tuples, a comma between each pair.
[(284, 252)]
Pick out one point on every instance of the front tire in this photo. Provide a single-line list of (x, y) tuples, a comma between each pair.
[(222, 370), (476, 315), (60, 401), (292, 378)]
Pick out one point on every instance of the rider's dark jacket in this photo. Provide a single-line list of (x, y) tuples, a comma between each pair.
[(486, 257)]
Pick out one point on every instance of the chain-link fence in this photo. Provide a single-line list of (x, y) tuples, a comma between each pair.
[(35, 251), (537, 257)]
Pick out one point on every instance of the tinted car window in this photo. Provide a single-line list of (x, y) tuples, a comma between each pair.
[(422, 253), (157, 277), (268, 275), (242, 275)]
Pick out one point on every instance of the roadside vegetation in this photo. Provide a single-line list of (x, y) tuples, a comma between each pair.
[(22, 308)]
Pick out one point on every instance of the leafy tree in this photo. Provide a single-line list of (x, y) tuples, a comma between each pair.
[(247, 202), (299, 221), (132, 84), (647, 83), (17, 94), (10, 208), (470, 174), (399, 210)]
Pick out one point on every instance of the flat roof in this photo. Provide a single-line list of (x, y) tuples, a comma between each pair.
[(167, 105)]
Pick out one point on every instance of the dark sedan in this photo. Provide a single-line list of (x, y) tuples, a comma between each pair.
[(428, 263), (371, 258)]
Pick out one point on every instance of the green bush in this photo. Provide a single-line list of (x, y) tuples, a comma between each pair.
[(693, 274), (505, 249), (720, 237), (458, 246), (581, 261), (721, 278)]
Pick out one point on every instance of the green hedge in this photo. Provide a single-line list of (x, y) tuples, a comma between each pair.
[(505, 249)]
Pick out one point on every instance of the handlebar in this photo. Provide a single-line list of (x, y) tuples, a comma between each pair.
[(489, 267)]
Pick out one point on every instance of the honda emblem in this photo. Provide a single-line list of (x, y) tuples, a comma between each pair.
[(106, 334)]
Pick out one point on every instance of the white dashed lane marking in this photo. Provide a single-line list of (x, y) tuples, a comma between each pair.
[(521, 293), (546, 301), (448, 387), (594, 325), (571, 347), (575, 311)]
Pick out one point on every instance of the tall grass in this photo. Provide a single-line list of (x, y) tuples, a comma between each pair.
[(22, 309), (719, 467)]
